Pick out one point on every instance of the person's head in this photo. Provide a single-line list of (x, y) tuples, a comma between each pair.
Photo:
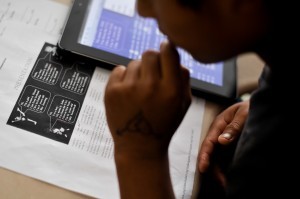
[(211, 30)]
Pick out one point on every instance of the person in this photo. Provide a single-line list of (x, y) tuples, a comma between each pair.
[(146, 101), (22, 117)]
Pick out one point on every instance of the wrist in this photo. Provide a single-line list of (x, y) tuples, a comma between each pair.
[(144, 150), (144, 177)]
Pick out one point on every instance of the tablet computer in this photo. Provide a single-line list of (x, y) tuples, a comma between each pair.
[(111, 31)]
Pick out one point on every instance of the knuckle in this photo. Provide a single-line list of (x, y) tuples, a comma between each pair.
[(186, 74), (171, 95), (110, 93), (234, 126), (133, 63), (150, 87), (150, 55)]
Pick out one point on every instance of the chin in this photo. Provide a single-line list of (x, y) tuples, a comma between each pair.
[(210, 58), (205, 59)]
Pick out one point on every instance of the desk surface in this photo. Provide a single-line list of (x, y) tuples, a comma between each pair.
[(14, 185)]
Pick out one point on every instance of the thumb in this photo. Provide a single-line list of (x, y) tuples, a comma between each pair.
[(234, 128), (232, 131)]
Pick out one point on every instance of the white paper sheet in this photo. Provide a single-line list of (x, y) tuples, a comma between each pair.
[(86, 164)]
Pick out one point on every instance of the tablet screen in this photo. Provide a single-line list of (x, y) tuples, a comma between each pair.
[(111, 31), (114, 26)]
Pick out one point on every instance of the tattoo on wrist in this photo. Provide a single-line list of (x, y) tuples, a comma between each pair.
[(138, 124)]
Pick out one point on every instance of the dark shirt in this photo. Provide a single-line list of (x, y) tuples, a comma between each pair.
[(265, 163)]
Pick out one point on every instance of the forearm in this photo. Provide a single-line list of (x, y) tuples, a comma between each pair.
[(144, 178)]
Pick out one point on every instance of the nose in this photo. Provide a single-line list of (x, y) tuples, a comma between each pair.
[(145, 8)]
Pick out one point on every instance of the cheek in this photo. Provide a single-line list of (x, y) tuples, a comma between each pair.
[(205, 46), (199, 37), (184, 37)]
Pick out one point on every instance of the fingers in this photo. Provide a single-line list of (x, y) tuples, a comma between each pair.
[(204, 155), (114, 81), (224, 130), (117, 74), (132, 72), (151, 69), (170, 62), (151, 66), (209, 143), (220, 176), (235, 124)]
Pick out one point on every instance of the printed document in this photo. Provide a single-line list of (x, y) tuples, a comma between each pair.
[(52, 118)]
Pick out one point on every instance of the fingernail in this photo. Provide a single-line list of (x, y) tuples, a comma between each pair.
[(164, 43), (227, 136)]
